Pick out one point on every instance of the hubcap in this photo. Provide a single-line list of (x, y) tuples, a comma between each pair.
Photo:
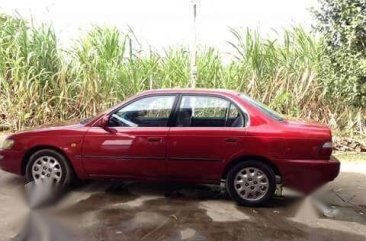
[(47, 168), (251, 183)]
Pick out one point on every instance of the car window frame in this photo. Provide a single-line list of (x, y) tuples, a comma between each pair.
[(240, 109), (172, 111)]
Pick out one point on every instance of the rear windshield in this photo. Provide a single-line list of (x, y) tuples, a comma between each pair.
[(265, 109)]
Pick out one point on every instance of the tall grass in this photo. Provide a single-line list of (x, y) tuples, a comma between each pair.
[(40, 83)]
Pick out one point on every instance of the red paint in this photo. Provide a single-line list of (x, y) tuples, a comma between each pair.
[(189, 154)]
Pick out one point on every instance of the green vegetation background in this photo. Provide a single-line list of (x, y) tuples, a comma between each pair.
[(319, 75)]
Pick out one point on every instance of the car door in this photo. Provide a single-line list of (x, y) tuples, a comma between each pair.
[(137, 145), (208, 130)]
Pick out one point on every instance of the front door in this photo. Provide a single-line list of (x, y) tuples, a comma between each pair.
[(138, 146), (208, 130)]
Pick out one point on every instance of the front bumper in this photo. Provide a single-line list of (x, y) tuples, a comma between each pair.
[(308, 175), (11, 161)]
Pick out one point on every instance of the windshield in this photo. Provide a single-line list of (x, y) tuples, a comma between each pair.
[(88, 119), (265, 109), (84, 121)]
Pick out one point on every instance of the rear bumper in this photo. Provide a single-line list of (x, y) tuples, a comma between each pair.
[(308, 175), (11, 161)]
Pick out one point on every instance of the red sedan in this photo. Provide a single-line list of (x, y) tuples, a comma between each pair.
[(182, 135)]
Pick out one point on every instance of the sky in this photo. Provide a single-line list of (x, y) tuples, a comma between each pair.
[(164, 23)]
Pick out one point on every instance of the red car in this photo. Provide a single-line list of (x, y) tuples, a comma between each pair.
[(181, 135)]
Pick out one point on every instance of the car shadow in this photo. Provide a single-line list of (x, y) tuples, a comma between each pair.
[(121, 191)]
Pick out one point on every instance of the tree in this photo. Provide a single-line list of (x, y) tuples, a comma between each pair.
[(342, 26)]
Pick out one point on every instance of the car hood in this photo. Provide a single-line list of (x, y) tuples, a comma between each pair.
[(65, 125)]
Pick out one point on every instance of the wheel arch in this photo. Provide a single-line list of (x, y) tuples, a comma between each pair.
[(250, 158), (34, 149)]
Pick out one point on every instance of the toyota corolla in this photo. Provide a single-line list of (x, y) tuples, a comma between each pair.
[(181, 135)]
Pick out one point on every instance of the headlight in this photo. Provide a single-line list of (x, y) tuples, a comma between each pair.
[(7, 144)]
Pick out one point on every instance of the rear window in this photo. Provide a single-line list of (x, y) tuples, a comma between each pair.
[(265, 109)]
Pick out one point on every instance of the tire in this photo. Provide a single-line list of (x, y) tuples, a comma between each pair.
[(250, 188), (61, 172)]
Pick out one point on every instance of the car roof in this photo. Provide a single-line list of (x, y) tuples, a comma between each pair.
[(190, 90)]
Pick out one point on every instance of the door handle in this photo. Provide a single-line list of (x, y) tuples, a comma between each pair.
[(231, 140), (154, 139)]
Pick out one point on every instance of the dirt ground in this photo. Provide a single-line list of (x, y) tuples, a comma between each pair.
[(141, 211)]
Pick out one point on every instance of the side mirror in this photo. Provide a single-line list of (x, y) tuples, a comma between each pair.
[(103, 123)]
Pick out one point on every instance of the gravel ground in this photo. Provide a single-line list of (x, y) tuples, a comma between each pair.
[(141, 211)]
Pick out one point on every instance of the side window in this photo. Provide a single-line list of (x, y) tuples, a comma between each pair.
[(208, 111), (151, 111)]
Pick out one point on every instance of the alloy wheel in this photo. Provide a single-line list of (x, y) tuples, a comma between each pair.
[(251, 183), (47, 168)]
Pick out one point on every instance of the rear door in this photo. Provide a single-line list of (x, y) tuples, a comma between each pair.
[(208, 130)]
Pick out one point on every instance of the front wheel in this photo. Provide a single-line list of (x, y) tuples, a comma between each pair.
[(50, 166), (251, 183)]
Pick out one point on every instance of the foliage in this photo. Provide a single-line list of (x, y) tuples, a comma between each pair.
[(342, 25), (40, 83)]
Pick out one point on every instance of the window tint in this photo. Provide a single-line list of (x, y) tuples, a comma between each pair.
[(208, 111), (147, 112), (265, 109)]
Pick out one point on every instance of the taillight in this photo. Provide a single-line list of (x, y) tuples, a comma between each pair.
[(328, 145), (326, 149)]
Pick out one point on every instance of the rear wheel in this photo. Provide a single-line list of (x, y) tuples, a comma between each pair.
[(251, 183)]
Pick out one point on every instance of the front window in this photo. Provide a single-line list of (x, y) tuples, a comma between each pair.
[(265, 109), (208, 111), (151, 111)]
